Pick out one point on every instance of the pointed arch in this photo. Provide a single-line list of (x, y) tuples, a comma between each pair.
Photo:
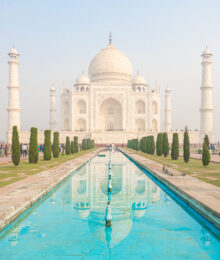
[(140, 124), (81, 124), (66, 125), (140, 107), (154, 125), (110, 115), (66, 107), (154, 108), (81, 107)]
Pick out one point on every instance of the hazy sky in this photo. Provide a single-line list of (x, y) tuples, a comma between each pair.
[(57, 39)]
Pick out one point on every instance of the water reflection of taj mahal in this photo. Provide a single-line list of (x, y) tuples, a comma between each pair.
[(132, 194)]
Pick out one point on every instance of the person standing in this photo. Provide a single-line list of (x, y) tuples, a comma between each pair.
[(6, 150)]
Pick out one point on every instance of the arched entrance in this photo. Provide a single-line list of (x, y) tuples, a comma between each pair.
[(110, 115), (81, 124), (140, 124)]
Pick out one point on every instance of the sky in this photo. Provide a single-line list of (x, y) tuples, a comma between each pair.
[(57, 39)]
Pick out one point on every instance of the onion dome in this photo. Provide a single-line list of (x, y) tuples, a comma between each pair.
[(82, 80), (138, 80), (110, 65)]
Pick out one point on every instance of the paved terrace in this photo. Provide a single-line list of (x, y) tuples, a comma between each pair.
[(18, 196), (205, 194)]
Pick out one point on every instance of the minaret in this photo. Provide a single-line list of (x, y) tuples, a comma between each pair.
[(13, 94), (206, 109), (167, 122), (53, 110)]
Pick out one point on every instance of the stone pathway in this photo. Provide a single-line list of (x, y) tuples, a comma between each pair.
[(214, 158), (205, 195), (8, 158), (18, 196)]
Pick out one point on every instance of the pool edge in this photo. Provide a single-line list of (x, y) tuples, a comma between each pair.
[(195, 204), (17, 211)]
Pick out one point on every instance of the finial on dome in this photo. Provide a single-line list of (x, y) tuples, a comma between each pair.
[(110, 38)]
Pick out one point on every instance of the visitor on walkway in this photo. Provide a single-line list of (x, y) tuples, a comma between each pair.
[(6, 150), (2, 151), (24, 150), (21, 151)]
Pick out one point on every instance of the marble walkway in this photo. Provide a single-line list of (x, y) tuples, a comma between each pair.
[(18, 196), (205, 196)]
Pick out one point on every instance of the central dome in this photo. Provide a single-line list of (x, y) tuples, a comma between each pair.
[(110, 65)]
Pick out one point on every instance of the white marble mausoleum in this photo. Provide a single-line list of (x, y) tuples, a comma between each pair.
[(110, 104)]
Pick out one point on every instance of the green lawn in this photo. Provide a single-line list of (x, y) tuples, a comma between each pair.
[(195, 168), (10, 173)]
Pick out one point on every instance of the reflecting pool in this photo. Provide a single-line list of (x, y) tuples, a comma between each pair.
[(69, 223)]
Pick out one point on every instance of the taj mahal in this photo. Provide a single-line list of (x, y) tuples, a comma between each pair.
[(111, 104)]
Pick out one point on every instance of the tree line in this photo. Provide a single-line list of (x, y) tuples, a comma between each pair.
[(49, 149), (147, 145)]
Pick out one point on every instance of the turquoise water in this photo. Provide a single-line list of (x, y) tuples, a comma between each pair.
[(69, 223)]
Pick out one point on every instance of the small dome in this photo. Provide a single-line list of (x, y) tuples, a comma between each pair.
[(83, 213), (206, 51), (13, 51), (110, 65), (82, 80), (52, 89), (167, 90), (139, 80), (139, 213)]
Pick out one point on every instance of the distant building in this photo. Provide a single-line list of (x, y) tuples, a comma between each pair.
[(110, 105)]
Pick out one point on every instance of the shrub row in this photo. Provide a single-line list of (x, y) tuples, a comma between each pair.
[(133, 144), (48, 149), (87, 144), (147, 144)]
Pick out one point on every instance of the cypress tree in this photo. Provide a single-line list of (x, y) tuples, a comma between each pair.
[(72, 147), (56, 142), (47, 145), (175, 147), (141, 144), (206, 140), (145, 144), (165, 145), (205, 152), (152, 145), (87, 144), (33, 149), (159, 144), (76, 146), (83, 144), (15, 146), (149, 144), (186, 146), (68, 150)]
